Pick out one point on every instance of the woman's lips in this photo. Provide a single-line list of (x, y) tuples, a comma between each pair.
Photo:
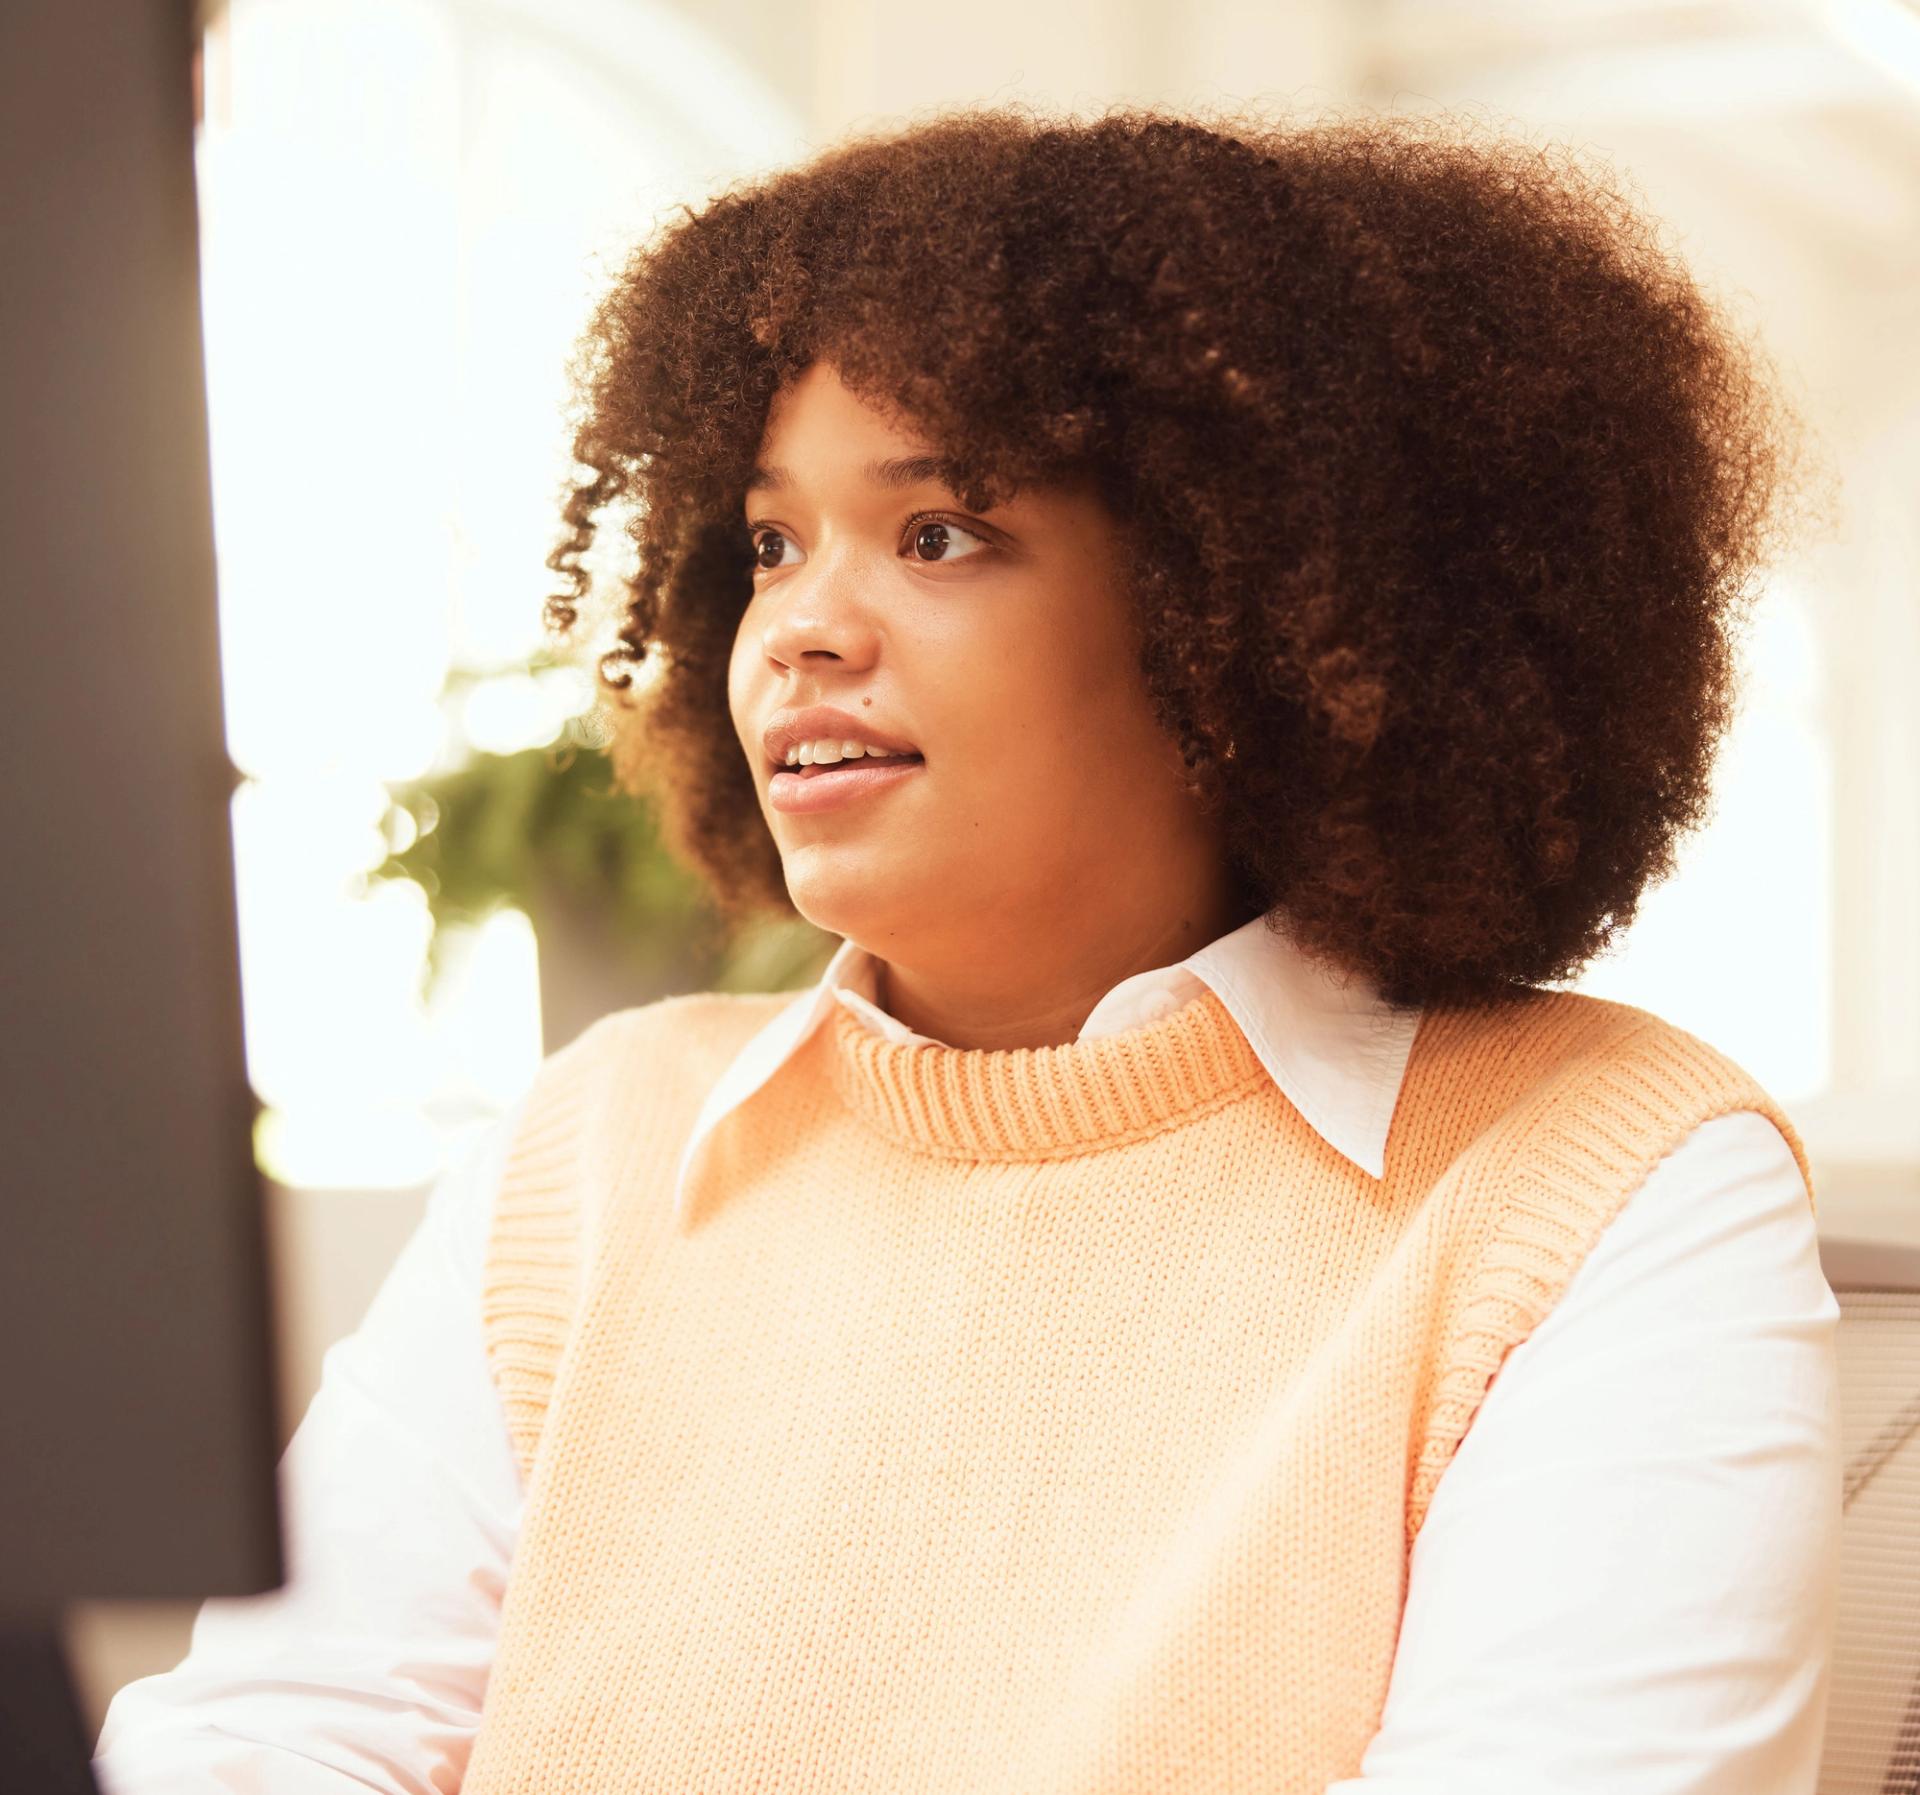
[(864, 760), (800, 790)]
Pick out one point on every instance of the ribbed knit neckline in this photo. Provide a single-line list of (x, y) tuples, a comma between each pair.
[(1044, 1102)]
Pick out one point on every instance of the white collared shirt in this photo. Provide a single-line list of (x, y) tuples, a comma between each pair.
[(1624, 1583)]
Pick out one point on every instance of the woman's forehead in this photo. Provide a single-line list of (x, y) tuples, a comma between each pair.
[(821, 433)]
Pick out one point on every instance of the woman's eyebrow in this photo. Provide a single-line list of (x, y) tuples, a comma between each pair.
[(902, 470)]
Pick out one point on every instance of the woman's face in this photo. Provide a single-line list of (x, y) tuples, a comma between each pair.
[(995, 644)]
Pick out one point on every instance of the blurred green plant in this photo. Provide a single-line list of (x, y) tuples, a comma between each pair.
[(543, 830)]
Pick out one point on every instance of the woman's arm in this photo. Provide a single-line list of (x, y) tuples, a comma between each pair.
[(1625, 1583), (402, 1501)]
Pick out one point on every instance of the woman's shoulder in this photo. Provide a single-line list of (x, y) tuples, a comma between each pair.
[(1553, 1047), (690, 1034), (686, 1015), (1658, 1070), (646, 1068)]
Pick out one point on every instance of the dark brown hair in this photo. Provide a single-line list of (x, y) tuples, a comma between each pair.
[(1442, 484)]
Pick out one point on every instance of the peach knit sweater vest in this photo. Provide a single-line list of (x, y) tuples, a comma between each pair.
[(1051, 1421)]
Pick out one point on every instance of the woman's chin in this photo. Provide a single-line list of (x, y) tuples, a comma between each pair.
[(844, 892)]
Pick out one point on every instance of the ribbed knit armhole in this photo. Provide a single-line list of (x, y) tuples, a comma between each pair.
[(1558, 1183), (534, 1252), (632, 1080)]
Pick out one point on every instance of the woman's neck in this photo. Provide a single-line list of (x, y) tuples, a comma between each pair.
[(1038, 992)]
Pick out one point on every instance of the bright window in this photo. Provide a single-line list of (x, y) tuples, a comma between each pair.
[(1737, 946), (407, 207)]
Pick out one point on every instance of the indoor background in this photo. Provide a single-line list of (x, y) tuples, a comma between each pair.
[(407, 207)]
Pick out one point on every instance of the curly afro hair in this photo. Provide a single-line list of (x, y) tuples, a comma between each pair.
[(1441, 481)]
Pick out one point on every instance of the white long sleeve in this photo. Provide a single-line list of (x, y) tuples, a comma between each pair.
[(1624, 1583), (402, 1501)]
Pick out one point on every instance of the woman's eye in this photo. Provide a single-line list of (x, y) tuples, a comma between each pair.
[(929, 538), (759, 541)]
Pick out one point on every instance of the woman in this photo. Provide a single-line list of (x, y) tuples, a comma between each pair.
[(1219, 621)]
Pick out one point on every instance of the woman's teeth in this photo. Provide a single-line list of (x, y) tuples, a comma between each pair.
[(824, 754)]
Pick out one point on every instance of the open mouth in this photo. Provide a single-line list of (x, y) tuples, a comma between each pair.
[(863, 760)]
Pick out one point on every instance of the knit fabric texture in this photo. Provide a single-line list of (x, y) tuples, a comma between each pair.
[(1050, 1421)]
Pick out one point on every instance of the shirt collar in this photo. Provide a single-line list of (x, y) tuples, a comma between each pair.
[(1337, 1051)]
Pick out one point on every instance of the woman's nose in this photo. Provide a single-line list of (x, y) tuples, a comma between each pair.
[(819, 615)]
